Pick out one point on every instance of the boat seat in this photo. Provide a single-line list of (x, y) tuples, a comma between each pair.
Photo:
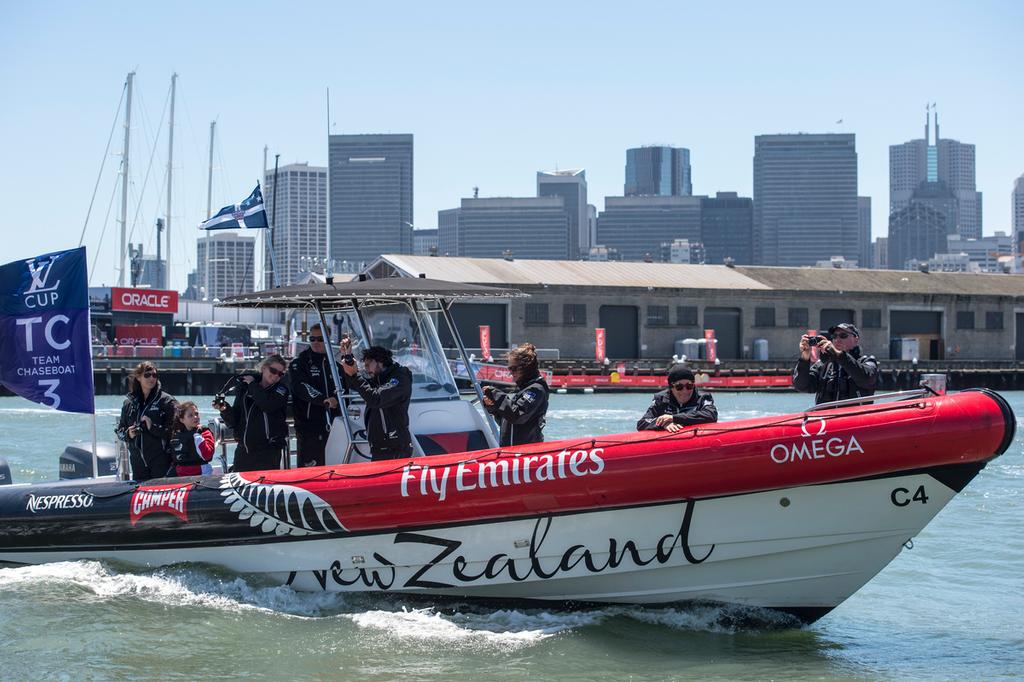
[(453, 441)]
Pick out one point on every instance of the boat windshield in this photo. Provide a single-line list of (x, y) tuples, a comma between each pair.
[(411, 336)]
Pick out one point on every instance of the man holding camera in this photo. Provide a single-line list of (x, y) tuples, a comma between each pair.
[(842, 370), (314, 399), (386, 388)]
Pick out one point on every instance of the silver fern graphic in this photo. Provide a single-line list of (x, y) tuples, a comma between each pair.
[(277, 508)]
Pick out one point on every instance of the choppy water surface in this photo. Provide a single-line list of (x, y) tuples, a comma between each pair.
[(950, 608)]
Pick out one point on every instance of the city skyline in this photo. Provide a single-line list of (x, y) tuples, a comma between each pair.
[(488, 111)]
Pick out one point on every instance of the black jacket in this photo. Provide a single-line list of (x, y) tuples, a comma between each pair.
[(522, 413), (259, 416), (182, 448), (846, 375), (699, 409), (311, 383), (387, 396), (148, 444)]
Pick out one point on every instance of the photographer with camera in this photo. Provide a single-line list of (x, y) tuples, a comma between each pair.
[(145, 423), (842, 370), (521, 413), (314, 397), (258, 416), (386, 388)]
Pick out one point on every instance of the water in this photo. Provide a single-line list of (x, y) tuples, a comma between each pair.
[(949, 609)]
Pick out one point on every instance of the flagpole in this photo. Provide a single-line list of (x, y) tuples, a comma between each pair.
[(92, 373), (209, 196), (273, 224)]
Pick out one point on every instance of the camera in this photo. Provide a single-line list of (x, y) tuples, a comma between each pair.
[(219, 400), (349, 359), (817, 338)]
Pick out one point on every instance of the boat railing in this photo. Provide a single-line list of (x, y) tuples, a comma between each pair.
[(233, 352), (922, 392)]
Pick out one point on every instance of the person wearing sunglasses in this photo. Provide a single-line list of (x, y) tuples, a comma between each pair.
[(259, 416), (314, 398), (145, 423), (521, 413), (842, 370), (679, 406)]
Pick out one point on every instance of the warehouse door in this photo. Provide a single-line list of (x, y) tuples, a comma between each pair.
[(921, 328), (1020, 336), (469, 317), (726, 323), (622, 331)]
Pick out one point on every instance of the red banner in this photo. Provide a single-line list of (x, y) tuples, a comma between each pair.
[(485, 342), (710, 350), (139, 335), (144, 300), (599, 346)]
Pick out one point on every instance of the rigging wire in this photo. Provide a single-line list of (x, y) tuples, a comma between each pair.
[(149, 168), (103, 232), (106, 153)]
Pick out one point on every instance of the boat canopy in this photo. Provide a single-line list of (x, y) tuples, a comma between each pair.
[(341, 295)]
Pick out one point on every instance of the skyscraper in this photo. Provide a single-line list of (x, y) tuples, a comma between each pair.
[(727, 228), (916, 232), (805, 198), (571, 185), (371, 196), (864, 228), (949, 162), (300, 219), (636, 227), (658, 171), (525, 227), (228, 268), (1018, 214)]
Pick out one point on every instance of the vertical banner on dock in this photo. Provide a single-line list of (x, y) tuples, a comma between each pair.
[(485, 342), (599, 344), (710, 345), (45, 340)]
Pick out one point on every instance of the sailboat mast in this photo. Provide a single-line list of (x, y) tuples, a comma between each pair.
[(170, 170), (209, 199), (124, 181)]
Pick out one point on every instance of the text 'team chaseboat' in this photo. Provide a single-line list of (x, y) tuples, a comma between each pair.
[(792, 512)]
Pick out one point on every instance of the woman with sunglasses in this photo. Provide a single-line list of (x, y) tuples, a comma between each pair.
[(146, 418), (258, 416), (522, 412), (679, 406)]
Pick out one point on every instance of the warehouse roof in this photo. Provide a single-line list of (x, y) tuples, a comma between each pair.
[(495, 271), (571, 273)]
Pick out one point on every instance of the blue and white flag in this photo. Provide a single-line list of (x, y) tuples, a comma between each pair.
[(249, 213), (45, 344)]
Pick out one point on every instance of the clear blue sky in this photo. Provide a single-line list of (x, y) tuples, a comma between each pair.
[(492, 93)]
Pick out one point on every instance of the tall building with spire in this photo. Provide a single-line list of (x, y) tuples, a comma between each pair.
[(937, 160)]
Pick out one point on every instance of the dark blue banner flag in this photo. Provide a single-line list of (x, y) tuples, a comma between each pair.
[(250, 213), (45, 340)]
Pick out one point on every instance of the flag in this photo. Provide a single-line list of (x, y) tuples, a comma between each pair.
[(250, 213), (45, 339)]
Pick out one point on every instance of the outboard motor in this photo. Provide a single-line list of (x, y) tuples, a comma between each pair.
[(5, 472), (76, 460)]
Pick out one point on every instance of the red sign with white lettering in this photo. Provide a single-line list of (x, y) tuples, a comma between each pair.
[(485, 342), (599, 344), (144, 300)]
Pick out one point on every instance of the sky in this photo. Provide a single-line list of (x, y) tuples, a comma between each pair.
[(492, 92)]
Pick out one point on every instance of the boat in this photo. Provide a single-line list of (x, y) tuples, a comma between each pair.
[(792, 512)]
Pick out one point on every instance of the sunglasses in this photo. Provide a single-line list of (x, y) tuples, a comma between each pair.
[(514, 368), (843, 335), (149, 375), (316, 339), (275, 372), (683, 385)]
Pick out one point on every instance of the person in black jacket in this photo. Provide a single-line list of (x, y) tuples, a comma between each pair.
[(258, 417), (386, 387), (521, 413), (146, 418), (842, 370), (679, 406), (314, 399)]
